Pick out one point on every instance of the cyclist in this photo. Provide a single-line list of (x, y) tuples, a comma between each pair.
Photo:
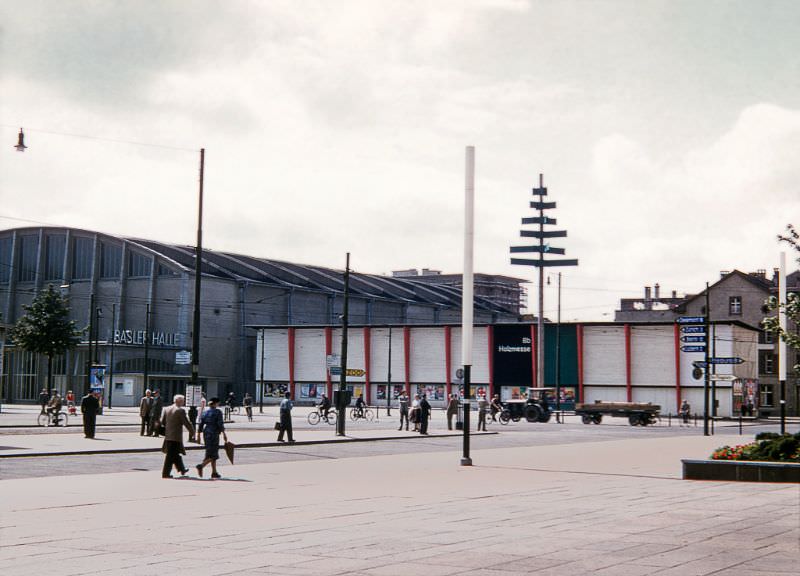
[(324, 406), (231, 400), (54, 405), (360, 406), (495, 407)]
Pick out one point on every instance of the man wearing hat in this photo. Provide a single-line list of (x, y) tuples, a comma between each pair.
[(286, 418)]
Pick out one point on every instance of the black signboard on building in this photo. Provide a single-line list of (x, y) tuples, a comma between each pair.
[(512, 355)]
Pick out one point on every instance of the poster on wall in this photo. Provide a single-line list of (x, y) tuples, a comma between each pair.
[(381, 393), (311, 391), (475, 392), (431, 391), (513, 393)]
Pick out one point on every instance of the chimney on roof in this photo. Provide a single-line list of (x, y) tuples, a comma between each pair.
[(648, 303), (724, 273), (776, 273), (674, 294), (759, 274), (647, 292), (658, 291)]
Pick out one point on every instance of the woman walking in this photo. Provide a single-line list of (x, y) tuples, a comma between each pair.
[(211, 426)]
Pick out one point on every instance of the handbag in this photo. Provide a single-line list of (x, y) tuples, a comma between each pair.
[(278, 426)]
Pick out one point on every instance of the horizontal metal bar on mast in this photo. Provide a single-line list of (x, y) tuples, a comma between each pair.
[(537, 220), (543, 263), (545, 234), (543, 205), (544, 249), (540, 191)]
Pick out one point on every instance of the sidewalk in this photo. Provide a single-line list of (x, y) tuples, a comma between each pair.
[(608, 509)]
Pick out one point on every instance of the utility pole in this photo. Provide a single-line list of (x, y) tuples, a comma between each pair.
[(389, 378), (781, 341), (541, 248), (261, 394), (147, 345), (89, 356), (467, 299), (343, 376), (558, 352), (198, 274), (111, 358)]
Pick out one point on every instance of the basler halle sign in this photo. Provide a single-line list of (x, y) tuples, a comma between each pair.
[(512, 355), (137, 337)]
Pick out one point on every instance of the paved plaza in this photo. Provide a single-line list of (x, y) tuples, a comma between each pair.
[(612, 507)]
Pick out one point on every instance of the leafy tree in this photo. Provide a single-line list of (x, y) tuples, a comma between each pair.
[(46, 328), (792, 306)]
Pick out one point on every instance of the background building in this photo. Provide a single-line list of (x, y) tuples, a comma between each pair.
[(121, 279)]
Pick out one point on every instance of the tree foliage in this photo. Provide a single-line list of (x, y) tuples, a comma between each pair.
[(792, 306), (45, 328)]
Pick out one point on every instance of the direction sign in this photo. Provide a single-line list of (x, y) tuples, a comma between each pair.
[(183, 357), (693, 348), (693, 338), (333, 360), (336, 370), (726, 360), (723, 377), (691, 319), (355, 372), (693, 329)]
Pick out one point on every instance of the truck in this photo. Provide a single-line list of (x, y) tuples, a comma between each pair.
[(637, 413)]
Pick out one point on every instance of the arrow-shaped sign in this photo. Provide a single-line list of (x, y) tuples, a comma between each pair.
[(691, 320), (693, 329), (726, 360), (693, 338), (693, 348)]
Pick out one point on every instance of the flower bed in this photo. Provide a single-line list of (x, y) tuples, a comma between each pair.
[(771, 458), (768, 447)]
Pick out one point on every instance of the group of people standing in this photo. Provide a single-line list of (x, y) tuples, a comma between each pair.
[(418, 414), (151, 407)]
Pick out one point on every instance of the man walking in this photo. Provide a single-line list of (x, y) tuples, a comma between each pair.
[(248, 406), (403, 403), (144, 412), (156, 408), (452, 410), (424, 415), (286, 418), (90, 406), (174, 420)]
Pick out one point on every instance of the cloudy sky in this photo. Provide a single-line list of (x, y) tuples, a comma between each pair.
[(668, 132)]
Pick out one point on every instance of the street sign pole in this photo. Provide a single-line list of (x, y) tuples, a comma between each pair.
[(706, 323)]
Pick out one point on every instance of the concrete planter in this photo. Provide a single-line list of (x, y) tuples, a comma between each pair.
[(741, 471)]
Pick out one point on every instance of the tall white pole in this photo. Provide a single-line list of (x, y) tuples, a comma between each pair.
[(467, 294), (781, 342)]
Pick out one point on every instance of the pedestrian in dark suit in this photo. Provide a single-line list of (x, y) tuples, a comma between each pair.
[(212, 424), (286, 418), (402, 400), (144, 412), (90, 406), (155, 413), (44, 398), (424, 415), (452, 410), (174, 420)]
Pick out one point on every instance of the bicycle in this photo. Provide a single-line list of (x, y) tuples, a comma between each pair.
[(367, 414), (52, 419), (315, 417)]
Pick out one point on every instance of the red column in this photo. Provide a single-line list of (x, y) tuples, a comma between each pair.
[(534, 356), (677, 332), (448, 359), (579, 329), (490, 339), (291, 361), (628, 387), (366, 364), (328, 352), (407, 356)]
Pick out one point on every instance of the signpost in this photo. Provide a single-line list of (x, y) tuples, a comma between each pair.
[(726, 360), (723, 377), (183, 357), (693, 348), (354, 372), (693, 329), (691, 319), (693, 338), (336, 370)]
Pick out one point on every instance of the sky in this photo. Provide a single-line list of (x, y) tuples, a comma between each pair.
[(668, 133)]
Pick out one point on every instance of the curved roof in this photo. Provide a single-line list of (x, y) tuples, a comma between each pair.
[(290, 275)]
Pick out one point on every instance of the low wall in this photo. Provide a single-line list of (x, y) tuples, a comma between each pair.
[(741, 471)]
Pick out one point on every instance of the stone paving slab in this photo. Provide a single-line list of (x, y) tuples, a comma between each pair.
[(610, 508)]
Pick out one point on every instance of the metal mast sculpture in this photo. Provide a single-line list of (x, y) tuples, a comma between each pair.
[(541, 249)]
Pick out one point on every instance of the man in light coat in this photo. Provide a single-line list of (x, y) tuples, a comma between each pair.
[(173, 421), (144, 412)]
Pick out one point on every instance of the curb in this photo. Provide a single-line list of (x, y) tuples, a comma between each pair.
[(195, 447)]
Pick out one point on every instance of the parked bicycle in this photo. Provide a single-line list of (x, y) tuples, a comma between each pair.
[(315, 417), (52, 419), (364, 414)]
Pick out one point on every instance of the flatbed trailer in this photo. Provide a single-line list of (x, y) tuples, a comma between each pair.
[(637, 413)]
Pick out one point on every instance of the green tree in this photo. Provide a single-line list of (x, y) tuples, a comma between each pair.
[(792, 306), (46, 328)]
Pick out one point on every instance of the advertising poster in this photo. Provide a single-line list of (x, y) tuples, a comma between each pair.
[(381, 393), (97, 376), (311, 391), (513, 393)]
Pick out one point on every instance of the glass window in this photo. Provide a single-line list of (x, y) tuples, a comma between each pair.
[(110, 260), (82, 252), (5, 260), (766, 395), (139, 265), (29, 249), (165, 271), (768, 337), (54, 257), (735, 305)]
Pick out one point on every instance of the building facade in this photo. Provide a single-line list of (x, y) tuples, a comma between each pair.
[(138, 297), (585, 362)]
